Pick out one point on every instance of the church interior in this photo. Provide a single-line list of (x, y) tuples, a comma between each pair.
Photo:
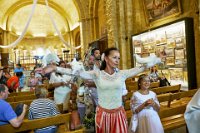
[(29, 29)]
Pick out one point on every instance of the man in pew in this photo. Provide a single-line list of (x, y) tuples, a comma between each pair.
[(7, 114), (43, 107)]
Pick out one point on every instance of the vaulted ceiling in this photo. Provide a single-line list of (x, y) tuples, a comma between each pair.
[(14, 15)]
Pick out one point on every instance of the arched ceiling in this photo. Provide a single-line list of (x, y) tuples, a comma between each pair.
[(14, 15)]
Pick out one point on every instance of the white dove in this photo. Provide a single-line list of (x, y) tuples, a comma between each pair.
[(148, 61), (76, 66)]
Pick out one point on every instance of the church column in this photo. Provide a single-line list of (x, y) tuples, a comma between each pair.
[(111, 23), (122, 32), (84, 35), (129, 30), (5, 52)]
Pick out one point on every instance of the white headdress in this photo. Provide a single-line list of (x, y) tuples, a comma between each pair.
[(103, 57), (50, 58)]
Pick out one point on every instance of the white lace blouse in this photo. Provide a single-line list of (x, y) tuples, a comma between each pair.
[(109, 87)]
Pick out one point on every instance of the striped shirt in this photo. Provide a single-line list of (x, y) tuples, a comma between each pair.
[(42, 108)]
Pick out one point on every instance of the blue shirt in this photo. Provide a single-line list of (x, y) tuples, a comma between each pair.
[(6, 112), (18, 70)]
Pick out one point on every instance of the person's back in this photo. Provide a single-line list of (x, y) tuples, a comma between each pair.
[(42, 108)]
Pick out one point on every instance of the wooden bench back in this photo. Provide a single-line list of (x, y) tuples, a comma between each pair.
[(155, 84), (20, 98), (28, 102), (172, 111), (167, 89), (21, 93), (38, 123), (23, 98), (179, 95), (129, 95)]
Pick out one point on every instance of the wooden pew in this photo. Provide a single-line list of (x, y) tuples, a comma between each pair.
[(173, 118), (167, 89), (127, 105), (20, 98), (21, 93), (155, 84), (129, 95), (29, 125), (132, 86), (82, 130), (181, 97), (23, 98)]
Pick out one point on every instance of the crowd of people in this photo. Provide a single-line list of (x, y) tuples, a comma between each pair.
[(101, 81)]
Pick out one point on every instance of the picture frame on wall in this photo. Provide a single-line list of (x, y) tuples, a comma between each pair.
[(169, 52), (157, 10), (180, 53), (170, 61), (175, 40), (171, 43)]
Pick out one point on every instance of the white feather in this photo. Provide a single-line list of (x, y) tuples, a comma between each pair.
[(76, 66), (148, 61)]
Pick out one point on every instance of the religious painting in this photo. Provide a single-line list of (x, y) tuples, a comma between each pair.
[(170, 61), (179, 53), (169, 52), (171, 43), (161, 9)]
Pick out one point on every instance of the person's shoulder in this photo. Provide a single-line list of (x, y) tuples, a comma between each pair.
[(4, 103), (152, 93), (136, 93)]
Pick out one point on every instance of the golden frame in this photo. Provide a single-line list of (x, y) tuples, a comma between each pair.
[(158, 10)]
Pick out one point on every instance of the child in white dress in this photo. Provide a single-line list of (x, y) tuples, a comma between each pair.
[(145, 106)]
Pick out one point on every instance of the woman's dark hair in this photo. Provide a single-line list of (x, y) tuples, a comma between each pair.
[(61, 63), (141, 77), (19, 74), (93, 50), (2, 88), (107, 53)]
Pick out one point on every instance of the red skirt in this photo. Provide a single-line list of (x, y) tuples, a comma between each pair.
[(111, 121)]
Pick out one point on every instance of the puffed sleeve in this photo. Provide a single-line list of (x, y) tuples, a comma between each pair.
[(83, 74), (155, 98), (66, 71), (134, 103), (89, 75), (132, 72)]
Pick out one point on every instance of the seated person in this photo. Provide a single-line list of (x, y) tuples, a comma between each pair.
[(192, 114), (154, 77), (13, 82), (7, 114), (43, 107), (32, 81)]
